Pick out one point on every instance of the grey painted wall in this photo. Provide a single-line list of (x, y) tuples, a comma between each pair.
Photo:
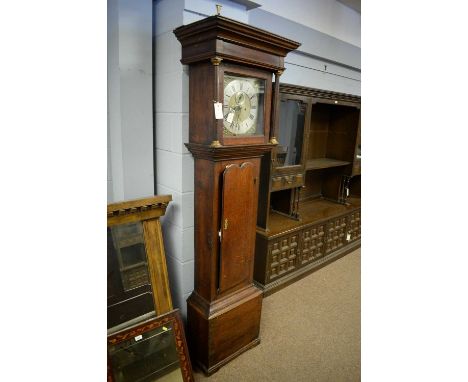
[(322, 61), (130, 109), (174, 162), (312, 41), (327, 16)]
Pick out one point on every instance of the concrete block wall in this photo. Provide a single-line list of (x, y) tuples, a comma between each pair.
[(322, 61), (174, 163), (327, 16), (130, 108)]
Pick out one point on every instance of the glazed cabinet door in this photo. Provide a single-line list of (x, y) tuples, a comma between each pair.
[(292, 133), (238, 223), (357, 151)]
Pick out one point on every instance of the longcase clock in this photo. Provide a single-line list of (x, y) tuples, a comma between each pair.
[(232, 106)]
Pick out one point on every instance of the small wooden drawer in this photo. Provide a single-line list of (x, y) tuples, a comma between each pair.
[(312, 244), (336, 234), (286, 181), (354, 226), (282, 255)]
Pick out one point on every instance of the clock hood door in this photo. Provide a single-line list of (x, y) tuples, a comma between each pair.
[(238, 221)]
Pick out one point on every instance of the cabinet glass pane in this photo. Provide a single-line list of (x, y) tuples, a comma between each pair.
[(151, 356), (129, 293), (291, 131)]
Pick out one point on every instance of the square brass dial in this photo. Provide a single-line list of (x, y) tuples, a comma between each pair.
[(243, 105)]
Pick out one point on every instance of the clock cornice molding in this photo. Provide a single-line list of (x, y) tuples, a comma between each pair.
[(215, 35)]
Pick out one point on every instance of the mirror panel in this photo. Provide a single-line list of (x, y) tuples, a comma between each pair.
[(150, 356), (129, 292), (153, 350), (291, 132)]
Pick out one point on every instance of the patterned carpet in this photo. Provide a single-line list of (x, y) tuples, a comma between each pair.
[(310, 331)]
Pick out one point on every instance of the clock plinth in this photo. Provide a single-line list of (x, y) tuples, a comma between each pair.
[(216, 322), (230, 63)]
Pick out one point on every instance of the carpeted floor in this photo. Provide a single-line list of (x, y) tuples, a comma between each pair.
[(310, 331)]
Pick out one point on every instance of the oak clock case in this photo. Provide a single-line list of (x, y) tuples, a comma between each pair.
[(233, 64)]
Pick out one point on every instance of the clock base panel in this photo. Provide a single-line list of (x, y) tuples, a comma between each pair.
[(216, 336)]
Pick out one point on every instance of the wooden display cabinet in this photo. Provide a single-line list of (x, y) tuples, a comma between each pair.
[(137, 282), (309, 210), (151, 350), (145, 336)]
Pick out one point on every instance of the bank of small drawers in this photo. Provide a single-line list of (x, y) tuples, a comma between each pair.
[(313, 244), (282, 253), (286, 181), (292, 251), (336, 234), (354, 225)]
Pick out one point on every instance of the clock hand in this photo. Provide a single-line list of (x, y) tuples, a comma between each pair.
[(229, 111), (235, 118), (237, 121), (230, 114)]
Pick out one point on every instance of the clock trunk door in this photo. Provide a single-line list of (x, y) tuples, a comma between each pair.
[(238, 222)]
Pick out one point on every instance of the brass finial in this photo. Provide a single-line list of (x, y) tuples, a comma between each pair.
[(218, 9), (215, 144), (273, 141), (216, 60)]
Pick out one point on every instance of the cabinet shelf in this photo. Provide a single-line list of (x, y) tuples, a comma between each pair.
[(310, 212), (320, 163)]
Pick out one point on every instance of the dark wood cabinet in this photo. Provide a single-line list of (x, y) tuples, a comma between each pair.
[(309, 207)]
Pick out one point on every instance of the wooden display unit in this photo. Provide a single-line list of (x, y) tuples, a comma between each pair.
[(137, 281), (152, 350), (145, 336), (231, 66), (309, 211)]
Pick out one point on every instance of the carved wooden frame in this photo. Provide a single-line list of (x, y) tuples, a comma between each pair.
[(148, 211)]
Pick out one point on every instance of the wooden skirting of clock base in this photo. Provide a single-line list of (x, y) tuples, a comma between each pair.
[(277, 285), (215, 368), (220, 332)]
